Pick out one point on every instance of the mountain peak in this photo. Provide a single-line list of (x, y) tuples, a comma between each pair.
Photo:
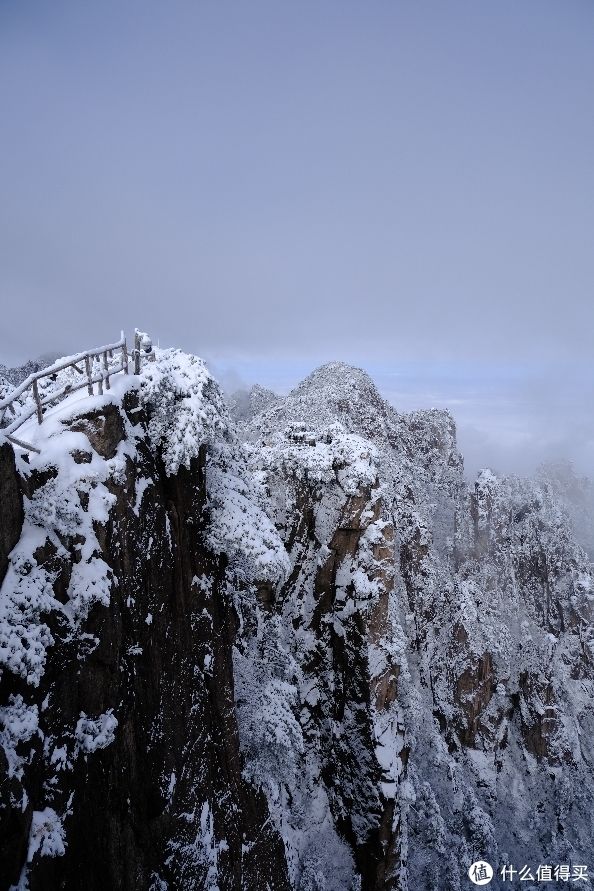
[(333, 393), (339, 374)]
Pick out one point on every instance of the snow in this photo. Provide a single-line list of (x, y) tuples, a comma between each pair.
[(171, 788), (200, 856), (186, 407), (18, 723), (64, 378), (239, 527), (57, 516), (47, 837), (142, 485), (187, 412), (92, 734)]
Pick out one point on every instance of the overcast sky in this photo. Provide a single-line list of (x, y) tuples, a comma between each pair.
[(405, 185)]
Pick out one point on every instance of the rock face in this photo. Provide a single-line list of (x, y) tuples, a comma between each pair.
[(314, 660), (331, 785), (11, 505), (123, 767), (485, 668)]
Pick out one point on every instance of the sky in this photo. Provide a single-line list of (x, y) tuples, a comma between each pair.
[(406, 185)]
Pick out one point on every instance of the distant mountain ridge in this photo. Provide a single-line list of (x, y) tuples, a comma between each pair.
[(17, 375)]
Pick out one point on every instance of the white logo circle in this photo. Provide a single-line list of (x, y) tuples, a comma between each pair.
[(480, 873)]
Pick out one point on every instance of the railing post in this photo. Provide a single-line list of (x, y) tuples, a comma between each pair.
[(100, 381), (37, 402), (136, 351), (89, 377), (106, 366), (124, 355)]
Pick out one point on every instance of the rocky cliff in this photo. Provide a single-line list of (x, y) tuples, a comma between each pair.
[(121, 763), (475, 611), (299, 652)]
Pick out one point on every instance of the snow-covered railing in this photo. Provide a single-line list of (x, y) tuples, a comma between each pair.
[(89, 375), (143, 346)]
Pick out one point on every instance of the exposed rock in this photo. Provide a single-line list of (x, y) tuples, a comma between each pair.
[(11, 505), (473, 690), (104, 430)]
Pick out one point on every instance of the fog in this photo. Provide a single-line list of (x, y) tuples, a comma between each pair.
[(405, 186)]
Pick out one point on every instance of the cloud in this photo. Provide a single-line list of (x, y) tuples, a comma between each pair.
[(248, 189)]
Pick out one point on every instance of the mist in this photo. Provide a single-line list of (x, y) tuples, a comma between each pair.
[(406, 187)]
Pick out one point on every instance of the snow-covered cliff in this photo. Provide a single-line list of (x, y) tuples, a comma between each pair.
[(485, 645), (296, 652), (120, 757)]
